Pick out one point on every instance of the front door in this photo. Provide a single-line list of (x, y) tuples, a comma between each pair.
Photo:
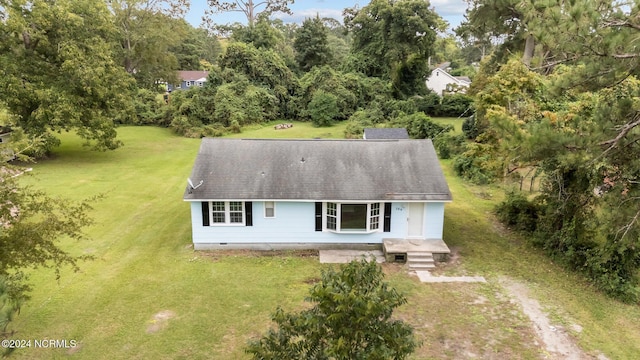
[(415, 220)]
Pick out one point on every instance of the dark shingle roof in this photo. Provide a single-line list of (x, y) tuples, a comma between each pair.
[(385, 133), (239, 169)]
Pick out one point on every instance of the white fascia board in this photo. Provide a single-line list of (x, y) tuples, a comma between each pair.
[(326, 200)]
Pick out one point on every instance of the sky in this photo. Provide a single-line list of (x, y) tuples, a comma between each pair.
[(450, 10)]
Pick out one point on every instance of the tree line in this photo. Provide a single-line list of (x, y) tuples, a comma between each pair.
[(557, 102), (89, 65)]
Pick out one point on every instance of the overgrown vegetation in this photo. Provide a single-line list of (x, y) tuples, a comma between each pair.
[(566, 111)]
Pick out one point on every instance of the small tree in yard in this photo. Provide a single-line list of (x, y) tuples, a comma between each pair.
[(323, 108), (350, 319)]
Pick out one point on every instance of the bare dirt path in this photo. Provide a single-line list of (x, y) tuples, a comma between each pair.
[(557, 342)]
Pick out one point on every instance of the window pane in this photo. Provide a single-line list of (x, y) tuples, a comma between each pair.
[(374, 219), (218, 217), (235, 206), (217, 212), (353, 217), (269, 209), (217, 206), (235, 217), (332, 216), (236, 209)]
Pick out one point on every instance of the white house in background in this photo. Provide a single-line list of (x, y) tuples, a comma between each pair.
[(441, 82), (317, 194), (189, 79)]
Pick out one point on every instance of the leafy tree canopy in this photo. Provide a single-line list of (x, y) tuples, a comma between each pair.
[(57, 70), (312, 45), (393, 40)]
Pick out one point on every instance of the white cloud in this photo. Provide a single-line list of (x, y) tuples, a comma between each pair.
[(449, 7)]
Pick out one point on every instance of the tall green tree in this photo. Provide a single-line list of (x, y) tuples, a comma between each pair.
[(351, 318), (262, 68), (262, 34), (502, 21), (147, 31), (198, 51), (57, 70), (312, 45), (393, 40), (267, 34)]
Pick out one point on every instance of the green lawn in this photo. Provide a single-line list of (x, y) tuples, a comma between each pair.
[(145, 270), (455, 122), (299, 130)]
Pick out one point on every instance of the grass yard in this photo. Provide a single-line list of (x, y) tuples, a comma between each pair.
[(305, 129), (300, 129), (147, 295), (455, 122)]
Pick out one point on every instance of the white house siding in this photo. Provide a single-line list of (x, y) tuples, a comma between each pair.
[(439, 79), (294, 225), (433, 220)]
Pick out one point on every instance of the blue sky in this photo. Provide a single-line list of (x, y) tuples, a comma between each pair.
[(451, 10)]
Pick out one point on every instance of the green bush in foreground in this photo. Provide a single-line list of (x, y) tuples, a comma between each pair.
[(350, 319)]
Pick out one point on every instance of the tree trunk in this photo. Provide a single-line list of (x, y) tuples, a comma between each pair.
[(529, 47)]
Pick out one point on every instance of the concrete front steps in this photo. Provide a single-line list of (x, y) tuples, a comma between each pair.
[(420, 260)]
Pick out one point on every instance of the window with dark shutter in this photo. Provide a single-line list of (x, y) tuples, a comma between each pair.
[(248, 210), (318, 216), (387, 217), (205, 213)]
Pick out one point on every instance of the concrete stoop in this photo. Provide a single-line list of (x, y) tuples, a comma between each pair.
[(420, 261)]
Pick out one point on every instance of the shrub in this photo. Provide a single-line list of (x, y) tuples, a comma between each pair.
[(518, 212), (455, 105), (470, 128), (476, 164), (243, 103), (420, 126), (359, 121), (350, 318), (323, 108), (396, 108), (448, 145), (428, 104), (330, 81)]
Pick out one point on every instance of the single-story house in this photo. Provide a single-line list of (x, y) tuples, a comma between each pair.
[(441, 82), (316, 194), (385, 133), (189, 79)]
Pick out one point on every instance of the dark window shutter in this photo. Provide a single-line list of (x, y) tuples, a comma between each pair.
[(318, 216), (248, 213), (205, 213), (387, 217)]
